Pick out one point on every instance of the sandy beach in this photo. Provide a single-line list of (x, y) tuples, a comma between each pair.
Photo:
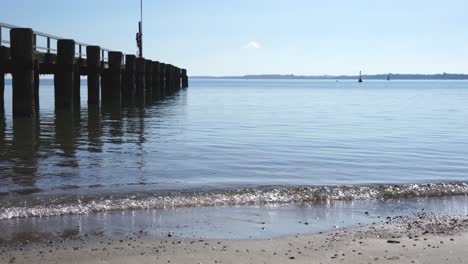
[(418, 239)]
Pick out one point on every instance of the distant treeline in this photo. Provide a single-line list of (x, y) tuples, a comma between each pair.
[(442, 76)]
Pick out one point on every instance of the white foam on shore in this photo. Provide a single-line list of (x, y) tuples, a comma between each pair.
[(260, 196)]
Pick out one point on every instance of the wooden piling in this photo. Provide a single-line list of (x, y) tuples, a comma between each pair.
[(112, 90), (36, 85), (184, 78), (93, 66), (178, 78), (22, 55), (169, 72), (3, 61), (149, 79), (129, 86), (140, 77), (77, 84), (174, 80), (156, 90), (167, 80), (162, 80), (65, 74)]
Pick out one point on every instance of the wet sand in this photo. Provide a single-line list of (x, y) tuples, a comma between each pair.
[(423, 238)]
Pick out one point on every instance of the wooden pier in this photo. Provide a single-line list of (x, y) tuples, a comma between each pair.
[(112, 76)]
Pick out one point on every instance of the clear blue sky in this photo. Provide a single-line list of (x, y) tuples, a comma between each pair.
[(221, 37)]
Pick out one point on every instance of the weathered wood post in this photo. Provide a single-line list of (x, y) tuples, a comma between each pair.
[(168, 84), (184, 78), (93, 65), (77, 86), (112, 90), (176, 88), (129, 76), (65, 74), (174, 79), (171, 80), (156, 91), (162, 81), (36, 85), (178, 78), (149, 79), (4, 54), (140, 77), (22, 55)]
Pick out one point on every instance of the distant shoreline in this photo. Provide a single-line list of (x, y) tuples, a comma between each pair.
[(443, 76), (440, 77)]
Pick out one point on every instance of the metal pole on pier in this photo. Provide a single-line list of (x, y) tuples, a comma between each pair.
[(140, 28)]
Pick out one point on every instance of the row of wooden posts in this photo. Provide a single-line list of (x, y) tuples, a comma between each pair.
[(111, 82)]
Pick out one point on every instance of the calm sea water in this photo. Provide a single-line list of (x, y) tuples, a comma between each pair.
[(220, 141)]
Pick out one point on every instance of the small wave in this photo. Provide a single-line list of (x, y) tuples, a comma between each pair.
[(79, 205)]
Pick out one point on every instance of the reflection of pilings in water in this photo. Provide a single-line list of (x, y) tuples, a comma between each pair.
[(65, 131), (24, 150), (133, 117), (5, 170), (94, 128), (2, 131), (141, 132), (77, 120), (112, 116)]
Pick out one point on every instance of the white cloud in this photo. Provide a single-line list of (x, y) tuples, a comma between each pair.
[(252, 45)]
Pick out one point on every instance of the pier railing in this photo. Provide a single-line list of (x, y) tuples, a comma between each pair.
[(48, 38)]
